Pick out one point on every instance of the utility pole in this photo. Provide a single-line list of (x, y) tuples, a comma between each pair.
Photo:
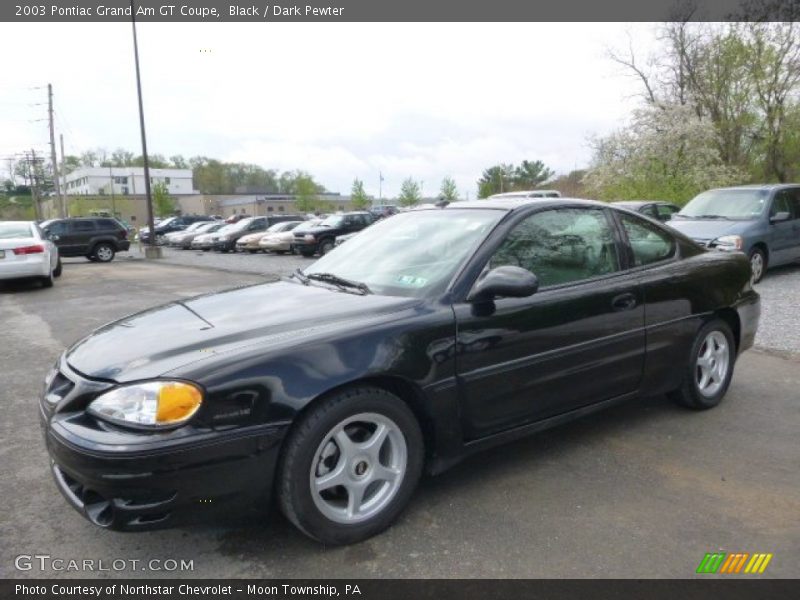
[(153, 251), (63, 175), (37, 210), (61, 212)]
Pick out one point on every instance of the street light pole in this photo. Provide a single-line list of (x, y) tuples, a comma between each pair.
[(152, 251)]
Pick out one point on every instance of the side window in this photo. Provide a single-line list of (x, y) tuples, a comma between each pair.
[(57, 228), (108, 224), (665, 212), (648, 242), (83, 226), (560, 246), (795, 202), (649, 210), (781, 203)]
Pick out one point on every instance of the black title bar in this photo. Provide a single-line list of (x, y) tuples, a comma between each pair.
[(268, 11), (734, 588)]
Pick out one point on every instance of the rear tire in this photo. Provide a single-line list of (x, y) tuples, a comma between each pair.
[(307, 254), (57, 272), (47, 281), (350, 466), (709, 368)]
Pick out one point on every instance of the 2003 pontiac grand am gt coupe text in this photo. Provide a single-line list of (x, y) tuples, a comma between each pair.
[(435, 333)]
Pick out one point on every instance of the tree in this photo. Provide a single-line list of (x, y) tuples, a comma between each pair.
[(449, 190), (664, 153), (359, 199), (306, 193), (163, 205), (410, 193), (496, 180), (178, 162), (121, 158), (528, 175), (743, 77)]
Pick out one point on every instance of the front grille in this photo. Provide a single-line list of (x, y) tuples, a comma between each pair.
[(59, 387)]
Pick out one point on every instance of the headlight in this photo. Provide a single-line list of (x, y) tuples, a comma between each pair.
[(155, 404), (729, 242), (309, 237)]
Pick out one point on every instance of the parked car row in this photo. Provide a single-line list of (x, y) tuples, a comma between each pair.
[(275, 233)]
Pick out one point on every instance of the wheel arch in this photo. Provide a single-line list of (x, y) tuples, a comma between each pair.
[(407, 391), (731, 317)]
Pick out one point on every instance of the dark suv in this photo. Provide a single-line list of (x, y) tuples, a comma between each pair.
[(172, 224), (322, 237), (96, 238)]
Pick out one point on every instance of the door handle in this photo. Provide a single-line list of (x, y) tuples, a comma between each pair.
[(623, 302)]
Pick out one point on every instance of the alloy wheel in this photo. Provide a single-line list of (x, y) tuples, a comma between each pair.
[(712, 364), (358, 468), (757, 266), (104, 253)]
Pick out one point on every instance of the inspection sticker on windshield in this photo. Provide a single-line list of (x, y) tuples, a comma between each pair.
[(412, 281)]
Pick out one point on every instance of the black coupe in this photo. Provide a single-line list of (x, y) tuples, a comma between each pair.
[(429, 336)]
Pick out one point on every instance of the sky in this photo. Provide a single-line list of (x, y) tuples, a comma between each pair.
[(341, 101)]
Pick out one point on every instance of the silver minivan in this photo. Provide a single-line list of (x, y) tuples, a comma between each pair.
[(763, 221)]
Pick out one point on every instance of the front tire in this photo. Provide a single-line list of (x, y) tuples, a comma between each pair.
[(758, 264), (104, 253), (325, 247), (710, 367), (350, 465)]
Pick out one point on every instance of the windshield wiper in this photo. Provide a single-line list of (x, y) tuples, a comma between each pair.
[(339, 281), (300, 276), (711, 217)]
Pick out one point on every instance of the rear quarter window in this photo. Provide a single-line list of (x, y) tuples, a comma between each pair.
[(108, 224), (648, 242)]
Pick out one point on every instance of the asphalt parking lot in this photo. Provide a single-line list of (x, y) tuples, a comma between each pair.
[(642, 490)]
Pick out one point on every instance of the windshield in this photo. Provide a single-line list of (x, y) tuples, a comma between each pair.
[(10, 230), (277, 227), (726, 204), (239, 225), (333, 221), (412, 254)]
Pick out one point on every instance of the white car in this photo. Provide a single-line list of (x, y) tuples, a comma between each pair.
[(25, 251)]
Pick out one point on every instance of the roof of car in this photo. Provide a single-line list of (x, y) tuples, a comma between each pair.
[(509, 204), (760, 186)]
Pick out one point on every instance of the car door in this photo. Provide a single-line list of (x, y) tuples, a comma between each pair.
[(783, 234), (79, 236), (578, 340), (794, 200)]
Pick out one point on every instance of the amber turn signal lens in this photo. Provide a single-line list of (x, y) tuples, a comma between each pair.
[(177, 402)]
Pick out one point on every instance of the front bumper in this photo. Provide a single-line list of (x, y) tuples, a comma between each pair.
[(131, 481), (225, 246)]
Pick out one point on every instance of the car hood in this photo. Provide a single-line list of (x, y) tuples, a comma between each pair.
[(707, 229), (318, 229), (156, 341)]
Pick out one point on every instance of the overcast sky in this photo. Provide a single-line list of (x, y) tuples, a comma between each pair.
[(338, 100)]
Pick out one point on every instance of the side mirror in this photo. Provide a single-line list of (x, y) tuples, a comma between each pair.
[(778, 217), (508, 282)]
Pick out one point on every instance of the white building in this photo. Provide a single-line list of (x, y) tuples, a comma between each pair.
[(123, 181)]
